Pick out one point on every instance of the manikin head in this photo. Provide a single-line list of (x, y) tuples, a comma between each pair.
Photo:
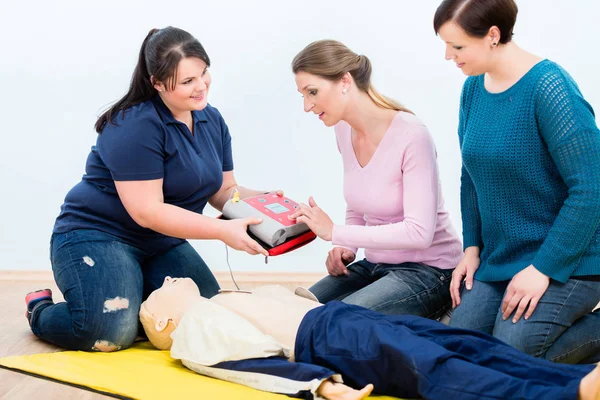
[(163, 309)]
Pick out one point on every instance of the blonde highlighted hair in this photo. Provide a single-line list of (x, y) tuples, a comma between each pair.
[(159, 339), (331, 59)]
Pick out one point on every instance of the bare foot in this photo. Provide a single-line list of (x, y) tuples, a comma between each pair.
[(338, 391), (589, 388)]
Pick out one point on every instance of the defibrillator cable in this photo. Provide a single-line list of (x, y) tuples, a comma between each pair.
[(230, 271), (234, 196)]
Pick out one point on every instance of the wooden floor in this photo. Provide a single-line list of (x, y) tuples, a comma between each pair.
[(17, 339)]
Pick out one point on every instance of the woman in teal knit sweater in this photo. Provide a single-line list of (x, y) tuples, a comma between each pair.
[(530, 191)]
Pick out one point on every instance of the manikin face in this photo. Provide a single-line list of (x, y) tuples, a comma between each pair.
[(191, 87), (472, 55), (323, 97), (172, 300)]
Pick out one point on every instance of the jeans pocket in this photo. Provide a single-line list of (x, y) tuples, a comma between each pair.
[(57, 242), (443, 274)]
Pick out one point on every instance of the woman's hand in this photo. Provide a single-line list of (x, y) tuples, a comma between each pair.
[(525, 288), (337, 259), (465, 270), (316, 219), (236, 236)]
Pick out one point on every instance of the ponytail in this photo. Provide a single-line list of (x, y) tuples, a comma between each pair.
[(140, 88), (385, 102), (362, 76)]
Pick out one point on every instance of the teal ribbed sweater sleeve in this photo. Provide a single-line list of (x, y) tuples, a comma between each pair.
[(471, 219), (567, 124)]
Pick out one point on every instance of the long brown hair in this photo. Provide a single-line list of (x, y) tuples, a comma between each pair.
[(159, 56), (331, 59)]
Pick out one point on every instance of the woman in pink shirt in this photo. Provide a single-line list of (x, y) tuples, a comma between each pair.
[(395, 209)]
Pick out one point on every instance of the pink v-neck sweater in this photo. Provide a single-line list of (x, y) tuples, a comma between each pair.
[(395, 209)]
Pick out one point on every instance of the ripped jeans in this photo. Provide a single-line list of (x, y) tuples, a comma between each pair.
[(104, 281)]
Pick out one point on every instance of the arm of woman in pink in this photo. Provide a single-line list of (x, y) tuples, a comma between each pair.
[(340, 256), (420, 197)]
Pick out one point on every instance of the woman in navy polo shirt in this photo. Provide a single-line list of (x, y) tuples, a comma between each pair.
[(162, 153)]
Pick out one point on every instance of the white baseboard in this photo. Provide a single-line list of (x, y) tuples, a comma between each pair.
[(257, 276)]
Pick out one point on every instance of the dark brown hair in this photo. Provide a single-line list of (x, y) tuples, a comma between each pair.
[(159, 57), (331, 59), (476, 17)]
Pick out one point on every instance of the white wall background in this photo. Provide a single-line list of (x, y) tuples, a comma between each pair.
[(62, 61)]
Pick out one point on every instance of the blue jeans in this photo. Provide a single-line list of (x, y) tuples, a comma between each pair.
[(411, 357), (407, 288), (104, 281), (563, 327)]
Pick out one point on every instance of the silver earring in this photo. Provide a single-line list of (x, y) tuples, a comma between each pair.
[(494, 44), (344, 91)]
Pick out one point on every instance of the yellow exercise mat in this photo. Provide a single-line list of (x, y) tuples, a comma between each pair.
[(140, 372)]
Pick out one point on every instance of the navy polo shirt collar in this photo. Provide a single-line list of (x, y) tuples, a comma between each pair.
[(167, 117)]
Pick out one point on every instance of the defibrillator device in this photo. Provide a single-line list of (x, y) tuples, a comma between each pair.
[(276, 233)]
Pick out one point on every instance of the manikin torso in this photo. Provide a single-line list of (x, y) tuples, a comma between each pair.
[(274, 310)]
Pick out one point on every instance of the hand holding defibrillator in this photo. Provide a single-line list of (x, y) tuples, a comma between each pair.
[(267, 219), (236, 236)]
